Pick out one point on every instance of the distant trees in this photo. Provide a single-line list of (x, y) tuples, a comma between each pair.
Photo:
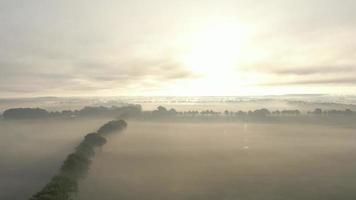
[(163, 112), (23, 113), (135, 111), (161, 109), (127, 111), (65, 184), (346, 112), (88, 111), (190, 113), (317, 111), (261, 112), (209, 112), (290, 112)]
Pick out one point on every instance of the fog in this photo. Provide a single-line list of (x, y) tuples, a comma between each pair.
[(245, 103), (154, 160), (33, 150), (179, 159)]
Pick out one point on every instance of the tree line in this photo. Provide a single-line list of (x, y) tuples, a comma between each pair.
[(88, 111), (135, 111), (64, 185), (264, 112)]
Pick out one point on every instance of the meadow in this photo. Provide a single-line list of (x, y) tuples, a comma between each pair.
[(32, 151), (154, 160)]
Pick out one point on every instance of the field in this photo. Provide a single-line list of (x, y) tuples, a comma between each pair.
[(224, 161), (33, 150)]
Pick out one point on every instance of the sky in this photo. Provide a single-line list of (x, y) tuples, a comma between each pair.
[(177, 48)]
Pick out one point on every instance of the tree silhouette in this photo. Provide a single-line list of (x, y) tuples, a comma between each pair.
[(76, 166)]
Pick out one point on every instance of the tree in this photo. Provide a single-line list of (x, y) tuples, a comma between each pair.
[(25, 113), (161, 109), (317, 111)]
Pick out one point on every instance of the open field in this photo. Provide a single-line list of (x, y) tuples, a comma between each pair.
[(179, 160), (224, 161), (33, 150)]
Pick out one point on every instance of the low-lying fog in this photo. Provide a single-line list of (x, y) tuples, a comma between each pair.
[(151, 161), (245, 103), (176, 160), (33, 150)]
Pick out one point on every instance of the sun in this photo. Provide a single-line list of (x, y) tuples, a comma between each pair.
[(215, 49), (213, 52)]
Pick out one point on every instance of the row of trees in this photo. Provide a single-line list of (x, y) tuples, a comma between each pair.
[(136, 111), (163, 112), (319, 111), (24, 113), (98, 111), (64, 185), (88, 111)]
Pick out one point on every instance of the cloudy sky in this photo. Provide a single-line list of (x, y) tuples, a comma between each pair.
[(166, 47)]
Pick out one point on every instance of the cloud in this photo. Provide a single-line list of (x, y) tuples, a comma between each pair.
[(158, 69), (65, 47), (312, 70), (88, 76), (333, 81)]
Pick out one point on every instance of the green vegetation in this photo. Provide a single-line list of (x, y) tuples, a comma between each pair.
[(25, 113), (100, 111), (135, 111), (64, 185), (112, 126)]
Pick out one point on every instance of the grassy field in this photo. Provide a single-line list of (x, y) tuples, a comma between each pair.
[(224, 161), (154, 160), (33, 150)]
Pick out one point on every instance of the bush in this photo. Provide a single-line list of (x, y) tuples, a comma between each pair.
[(112, 126), (95, 139), (25, 113), (76, 165)]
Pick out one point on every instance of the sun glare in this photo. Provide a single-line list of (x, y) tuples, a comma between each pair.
[(214, 50)]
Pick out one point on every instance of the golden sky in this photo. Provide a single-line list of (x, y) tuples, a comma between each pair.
[(166, 47)]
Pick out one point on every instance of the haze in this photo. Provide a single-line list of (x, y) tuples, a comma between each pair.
[(224, 161), (177, 100)]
